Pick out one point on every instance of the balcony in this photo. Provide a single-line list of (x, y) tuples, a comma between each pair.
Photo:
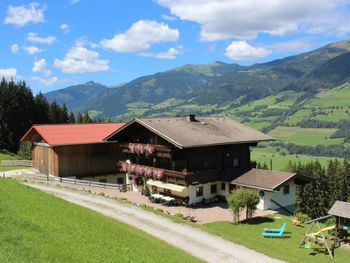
[(171, 176), (147, 149), (149, 171)]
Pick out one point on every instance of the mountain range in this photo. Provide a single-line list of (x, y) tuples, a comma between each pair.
[(210, 88)]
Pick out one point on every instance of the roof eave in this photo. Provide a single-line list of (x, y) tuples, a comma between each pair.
[(228, 143), (254, 186)]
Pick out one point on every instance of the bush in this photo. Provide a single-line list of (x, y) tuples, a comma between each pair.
[(301, 217), (330, 221), (243, 198)]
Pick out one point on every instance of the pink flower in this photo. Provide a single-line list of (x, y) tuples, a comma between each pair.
[(139, 170), (158, 173), (131, 147), (132, 168), (123, 166), (148, 172), (140, 148), (149, 149)]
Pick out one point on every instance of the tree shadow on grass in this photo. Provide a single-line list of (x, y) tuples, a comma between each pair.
[(257, 220)]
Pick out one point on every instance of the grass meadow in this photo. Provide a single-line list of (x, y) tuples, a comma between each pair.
[(38, 227), (249, 235)]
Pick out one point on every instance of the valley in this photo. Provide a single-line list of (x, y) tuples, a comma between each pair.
[(302, 101)]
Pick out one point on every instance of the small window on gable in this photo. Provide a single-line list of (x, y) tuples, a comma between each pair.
[(286, 189)]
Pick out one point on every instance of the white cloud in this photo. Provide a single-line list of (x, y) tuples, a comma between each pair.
[(140, 36), (81, 60), (295, 45), (14, 48), (33, 37), (242, 19), (65, 28), (24, 14), (171, 53), (169, 18), (241, 50), (45, 81), (41, 66), (31, 50), (8, 73)]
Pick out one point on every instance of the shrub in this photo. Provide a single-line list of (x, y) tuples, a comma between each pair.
[(301, 216), (243, 198)]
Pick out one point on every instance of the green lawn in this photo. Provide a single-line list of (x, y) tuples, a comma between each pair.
[(279, 161), (305, 136), (249, 235), (7, 156), (38, 227)]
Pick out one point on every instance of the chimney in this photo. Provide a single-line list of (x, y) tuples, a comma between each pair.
[(191, 117)]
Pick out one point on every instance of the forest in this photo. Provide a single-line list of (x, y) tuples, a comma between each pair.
[(20, 109), (328, 184)]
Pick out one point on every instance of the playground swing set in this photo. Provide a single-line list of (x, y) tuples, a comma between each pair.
[(341, 211)]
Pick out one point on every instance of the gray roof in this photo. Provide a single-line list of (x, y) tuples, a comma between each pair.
[(264, 179), (205, 131), (341, 209)]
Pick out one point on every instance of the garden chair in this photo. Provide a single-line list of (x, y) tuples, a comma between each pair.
[(274, 232)]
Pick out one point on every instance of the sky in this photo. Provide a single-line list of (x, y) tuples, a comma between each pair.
[(55, 44)]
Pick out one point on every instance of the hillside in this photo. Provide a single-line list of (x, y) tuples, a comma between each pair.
[(302, 100), (78, 97), (38, 227), (211, 88)]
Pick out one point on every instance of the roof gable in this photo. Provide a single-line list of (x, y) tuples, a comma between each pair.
[(263, 179), (63, 134), (341, 209), (204, 131)]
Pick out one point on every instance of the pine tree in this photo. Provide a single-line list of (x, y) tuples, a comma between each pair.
[(79, 118), (41, 110), (86, 118), (71, 117)]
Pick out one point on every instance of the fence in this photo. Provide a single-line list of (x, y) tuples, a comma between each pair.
[(120, 187), (17, 163)]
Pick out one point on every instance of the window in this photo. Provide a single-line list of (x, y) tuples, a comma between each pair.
[(199, 191), (213, 189), (235, 162), (223, 186), (286, 189)]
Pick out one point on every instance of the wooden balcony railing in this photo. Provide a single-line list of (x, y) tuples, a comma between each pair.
[(143, 170), (147, 149)]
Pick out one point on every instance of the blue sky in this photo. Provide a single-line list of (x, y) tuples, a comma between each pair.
[(55, 44)]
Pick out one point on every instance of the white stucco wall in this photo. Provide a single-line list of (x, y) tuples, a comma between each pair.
[(278, 196), (206, 192), (283, 199)]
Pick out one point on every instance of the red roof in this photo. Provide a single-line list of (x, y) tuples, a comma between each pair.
[(61, 134)]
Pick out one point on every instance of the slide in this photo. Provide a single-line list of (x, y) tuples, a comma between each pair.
[(323, 229)]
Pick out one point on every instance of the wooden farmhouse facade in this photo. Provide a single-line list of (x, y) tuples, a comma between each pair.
[(196, 159)]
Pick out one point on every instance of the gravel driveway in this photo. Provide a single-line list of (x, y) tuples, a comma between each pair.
[(200, 244)]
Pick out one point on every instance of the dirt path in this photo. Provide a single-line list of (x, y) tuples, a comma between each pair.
[(200, 244)]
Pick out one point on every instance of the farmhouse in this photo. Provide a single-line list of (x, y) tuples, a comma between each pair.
[(74, 150), (198, 159)]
